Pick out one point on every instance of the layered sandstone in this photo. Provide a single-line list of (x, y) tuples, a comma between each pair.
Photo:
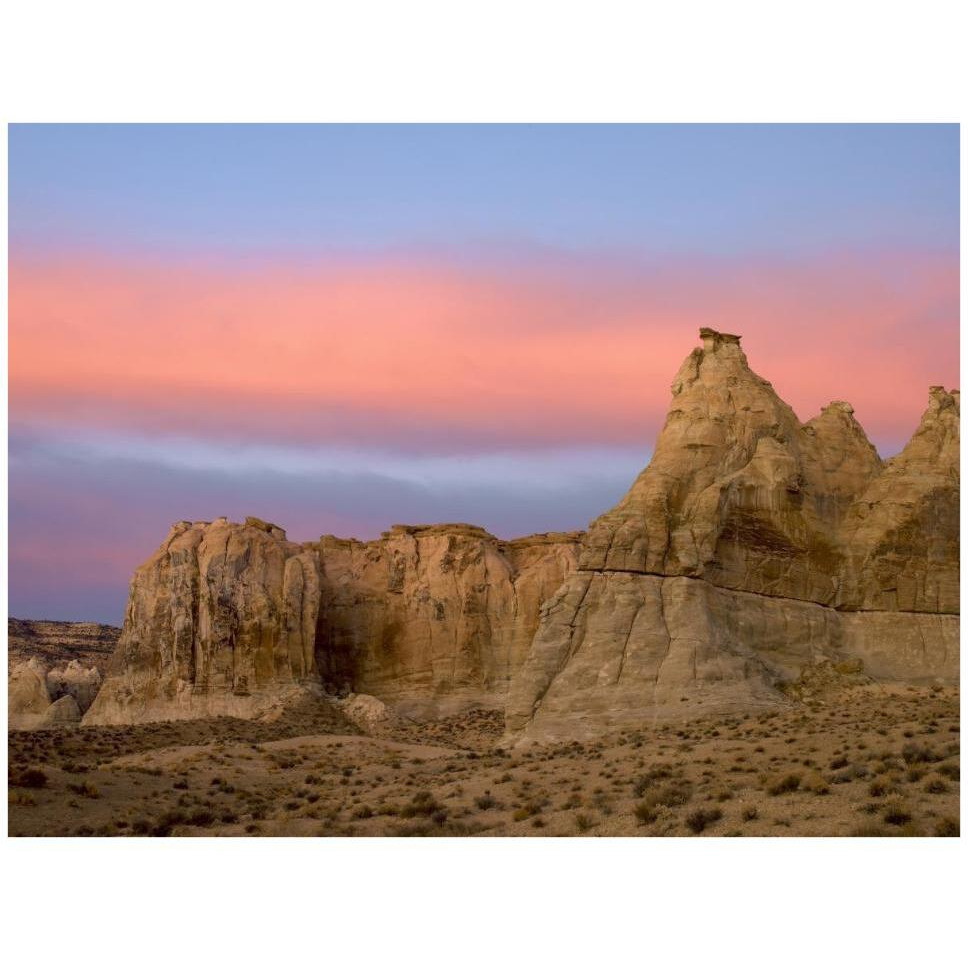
[(751, 547), (59, 643), (219, 621), (225, 618)]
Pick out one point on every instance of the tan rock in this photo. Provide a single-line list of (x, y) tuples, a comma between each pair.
[(223, 617), (367, 712), (751, 547), (27, 695), (63, 712), (434, 618), (79, 682)]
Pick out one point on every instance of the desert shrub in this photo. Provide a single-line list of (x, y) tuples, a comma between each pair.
[(838, 762), (918, 753), (645, 812), (896, 814), (485, 802), (951, 770), (816, 784), (881, 788), (85, 789), (750, 813), (529, 809), (699, 820), (362, 812), (32, 779), (202, 817), (936, 786), (671, 795), (649, 779), (167, 822), (422, 804), (420, 828), (583, 822), (783, 784)]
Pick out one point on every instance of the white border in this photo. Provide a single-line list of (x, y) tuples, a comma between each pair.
[(455, 902)]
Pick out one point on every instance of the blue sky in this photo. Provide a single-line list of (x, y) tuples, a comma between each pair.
[(652, 188), (339, 328)]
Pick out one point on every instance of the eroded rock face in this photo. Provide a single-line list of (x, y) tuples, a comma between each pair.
[(435, 618), (750, 547), (225, 616), (27, 694), (78, 682), (63, 712), (220, 619)]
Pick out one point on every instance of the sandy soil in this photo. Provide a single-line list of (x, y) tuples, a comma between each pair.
[(872, 761)]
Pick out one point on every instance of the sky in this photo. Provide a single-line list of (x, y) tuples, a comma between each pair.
[(339, 328)]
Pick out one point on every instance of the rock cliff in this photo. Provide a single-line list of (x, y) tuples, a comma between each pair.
[(751, 546), (226, 617)]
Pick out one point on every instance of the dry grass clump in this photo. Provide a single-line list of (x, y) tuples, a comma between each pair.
[(699, 820), (789, 783), (896, 813), (32, 778)]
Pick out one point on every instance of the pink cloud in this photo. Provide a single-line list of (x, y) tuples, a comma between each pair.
[(436, 356)]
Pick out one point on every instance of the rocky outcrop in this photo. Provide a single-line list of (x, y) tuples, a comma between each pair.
[(47, 661), (27, 694), (224, 617), (435, 618), (76, 681), (63, 712), (750, 547), (219, 621)]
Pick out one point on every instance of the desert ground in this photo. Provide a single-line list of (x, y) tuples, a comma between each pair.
[(874, 760)]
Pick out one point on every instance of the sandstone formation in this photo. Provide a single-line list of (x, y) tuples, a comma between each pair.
[(753, 549), (27, 695), (750, 547), (76, 681), (435, 618), (225, 616), (49, 660), (219, 620), (62, 712)]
